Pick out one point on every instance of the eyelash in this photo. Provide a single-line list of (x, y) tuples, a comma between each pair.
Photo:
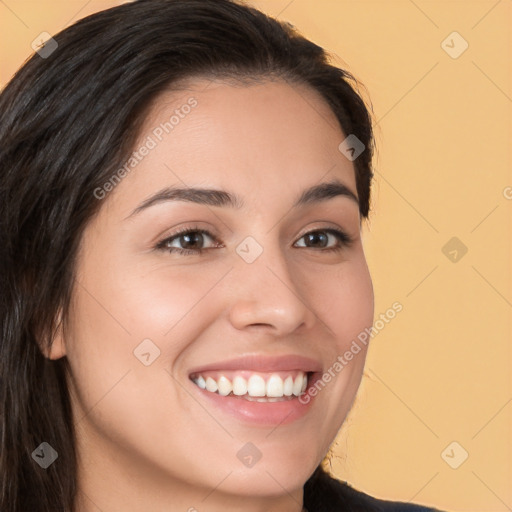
[(343, 238)]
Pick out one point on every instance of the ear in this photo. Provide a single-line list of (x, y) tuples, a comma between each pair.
[(58, 346)]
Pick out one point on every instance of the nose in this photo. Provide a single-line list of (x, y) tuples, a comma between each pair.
[(266, 295)]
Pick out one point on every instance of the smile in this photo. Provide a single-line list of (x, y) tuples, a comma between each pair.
[(258, 389), (257, 386)]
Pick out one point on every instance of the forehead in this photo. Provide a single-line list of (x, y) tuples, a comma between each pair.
[(264, 138)]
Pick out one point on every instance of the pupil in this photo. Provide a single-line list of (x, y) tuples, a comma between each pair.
[(186, 237), (318, 235)]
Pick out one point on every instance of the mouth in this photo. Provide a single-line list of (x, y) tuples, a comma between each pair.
[(254, 386), (258, 398)]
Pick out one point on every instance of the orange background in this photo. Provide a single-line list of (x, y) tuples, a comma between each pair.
[(440, 371)]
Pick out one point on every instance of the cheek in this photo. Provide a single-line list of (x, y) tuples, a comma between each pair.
[(170, 303), (353, 319), (156, 302), (114, 394), (344, 300)]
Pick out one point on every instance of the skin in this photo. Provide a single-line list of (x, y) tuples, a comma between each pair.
[(144, 442)]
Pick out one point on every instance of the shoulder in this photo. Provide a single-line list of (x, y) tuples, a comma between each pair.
[(381, 505), (323, 493)]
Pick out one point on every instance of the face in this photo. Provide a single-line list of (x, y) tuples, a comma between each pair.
[(176, 287)]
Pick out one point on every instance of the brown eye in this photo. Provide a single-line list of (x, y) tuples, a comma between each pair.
[(319, 239), (188, 241), (191, 241)]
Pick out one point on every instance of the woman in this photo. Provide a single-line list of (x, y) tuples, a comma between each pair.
[(183, 187)]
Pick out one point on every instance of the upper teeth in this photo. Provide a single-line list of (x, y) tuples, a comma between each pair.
[(254, 385)]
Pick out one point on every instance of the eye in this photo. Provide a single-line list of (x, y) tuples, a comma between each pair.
[(189, 239), (193, 239), (322, 236)]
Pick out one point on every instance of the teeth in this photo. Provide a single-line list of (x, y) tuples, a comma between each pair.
[(211, 385), (297, 385), (287, 386), (255, 387), (224, 385), (275, 386), (201, 382), (239, 386)]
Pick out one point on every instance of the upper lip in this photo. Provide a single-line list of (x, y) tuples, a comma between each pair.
[(263, 363)]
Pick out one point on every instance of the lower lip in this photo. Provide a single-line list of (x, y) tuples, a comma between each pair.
[(262, 413)]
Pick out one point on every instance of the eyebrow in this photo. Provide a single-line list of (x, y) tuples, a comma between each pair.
[(223, 198)]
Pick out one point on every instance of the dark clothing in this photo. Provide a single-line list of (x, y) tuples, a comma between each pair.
[(323, 493)]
